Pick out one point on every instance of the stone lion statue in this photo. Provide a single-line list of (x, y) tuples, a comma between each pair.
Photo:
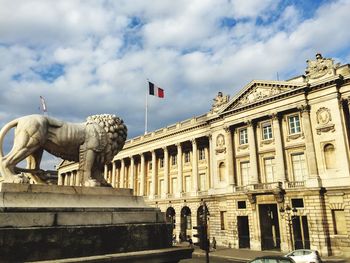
[(92, 144)]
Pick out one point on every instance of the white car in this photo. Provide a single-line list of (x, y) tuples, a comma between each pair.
[(305, 256)]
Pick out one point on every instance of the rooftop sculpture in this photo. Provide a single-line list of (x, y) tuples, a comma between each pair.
[(92, 144)]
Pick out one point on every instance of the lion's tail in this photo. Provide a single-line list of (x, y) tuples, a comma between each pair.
[(3, 133)]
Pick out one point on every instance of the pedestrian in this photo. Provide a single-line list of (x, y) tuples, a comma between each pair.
[(213, 243), (190, 242)]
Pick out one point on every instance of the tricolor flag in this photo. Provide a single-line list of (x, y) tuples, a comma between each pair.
[(155, 91), (43, 104)]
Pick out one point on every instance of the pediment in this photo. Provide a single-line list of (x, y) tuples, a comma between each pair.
[(257, 91)]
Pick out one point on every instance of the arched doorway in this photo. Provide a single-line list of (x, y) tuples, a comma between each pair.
[(201, 218), (186, 223), (170, 217)]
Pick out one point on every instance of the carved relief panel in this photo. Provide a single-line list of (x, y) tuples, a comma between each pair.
[(324, 120)]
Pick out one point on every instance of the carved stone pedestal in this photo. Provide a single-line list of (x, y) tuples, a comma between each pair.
[(40, 222)]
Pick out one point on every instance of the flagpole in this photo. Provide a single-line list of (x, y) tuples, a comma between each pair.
[(146, 110)]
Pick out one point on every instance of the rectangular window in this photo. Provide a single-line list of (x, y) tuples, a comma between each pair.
[(299, 167), (150, 166), (161, 187), (202, 182), (298, 202), (245, 173), (173, 185), (243, 136), (201, 154), (173, 160), (266, 131), (187, 157), (223, 220), (294, 124), (269, 165), (161, 162), (241, 205), (339, 222), (187, 184)]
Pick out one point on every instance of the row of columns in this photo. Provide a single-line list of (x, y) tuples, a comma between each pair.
[(154, 179), (279, 147)]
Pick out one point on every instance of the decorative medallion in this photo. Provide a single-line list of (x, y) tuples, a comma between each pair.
[(220, 144), (323, 116), (324, 120)]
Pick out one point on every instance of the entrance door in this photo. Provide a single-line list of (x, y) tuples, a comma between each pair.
[(269, 227), (301, 232), (243, 232)]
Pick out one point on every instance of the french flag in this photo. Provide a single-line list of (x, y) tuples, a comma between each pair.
[(155, 91)]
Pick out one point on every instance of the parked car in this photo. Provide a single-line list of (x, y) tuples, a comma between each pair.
[(305, 256), (272, 259)]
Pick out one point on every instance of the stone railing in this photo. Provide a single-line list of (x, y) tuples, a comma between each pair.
[(264, 186), (295, 184), (203, 192)]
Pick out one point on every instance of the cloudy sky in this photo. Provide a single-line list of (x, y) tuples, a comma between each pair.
[(90, 57)]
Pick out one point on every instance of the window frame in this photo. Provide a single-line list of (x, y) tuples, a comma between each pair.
[(201, 154), (269, 133), (297, 128), (243, 136)]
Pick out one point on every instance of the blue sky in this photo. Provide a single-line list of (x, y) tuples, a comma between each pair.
[(91, 57)]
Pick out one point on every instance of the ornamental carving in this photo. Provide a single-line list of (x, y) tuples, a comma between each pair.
[(220, 144), (320, 67), (262, 92), (324, 120), (323, 116), (219, 101)]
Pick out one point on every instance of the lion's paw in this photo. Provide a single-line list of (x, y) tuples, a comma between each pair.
[(18, 179), (91, 183)]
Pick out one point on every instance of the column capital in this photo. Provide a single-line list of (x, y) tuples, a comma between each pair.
[(165, 148), (193, 141), (304, 108), (249, 122), (275, 116), (227, 129), (178, 145)]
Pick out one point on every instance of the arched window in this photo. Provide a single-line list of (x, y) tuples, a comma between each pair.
[(222, 171), (329, 156)]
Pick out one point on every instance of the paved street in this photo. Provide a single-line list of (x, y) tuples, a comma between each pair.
[(197, 259)]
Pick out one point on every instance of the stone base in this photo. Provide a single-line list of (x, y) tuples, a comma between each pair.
[(39, 222), (169, 255)]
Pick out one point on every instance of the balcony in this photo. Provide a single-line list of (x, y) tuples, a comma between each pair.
[(295, 184)]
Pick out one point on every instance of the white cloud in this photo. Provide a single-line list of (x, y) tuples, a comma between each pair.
[(108, 49)]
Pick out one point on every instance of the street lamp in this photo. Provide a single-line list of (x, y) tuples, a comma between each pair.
[(290, 214)]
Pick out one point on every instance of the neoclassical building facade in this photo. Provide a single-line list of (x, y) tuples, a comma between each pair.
[(271, 163)]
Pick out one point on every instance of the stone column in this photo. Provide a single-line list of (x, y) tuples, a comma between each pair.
[(279, 161), (77, 178), (132, 173), (105, 173), (166, 171), (229, 156), (114, 173), (194, 167), (122, 173), (60, 179), (66, 179), (208, 173), (142, 175), (309, 143), (153, 175), (210, 162), (179, 168), (72, 179), (253, 160)]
